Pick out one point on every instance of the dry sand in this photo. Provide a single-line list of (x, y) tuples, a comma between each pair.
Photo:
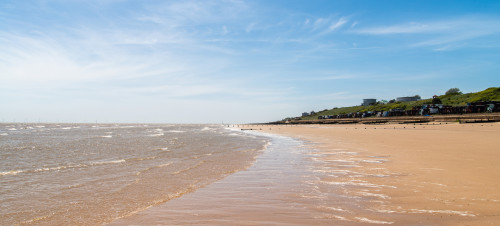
[(436, 173)]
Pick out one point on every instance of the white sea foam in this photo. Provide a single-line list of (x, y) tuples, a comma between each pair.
[(55, 168), (356, 183), (175, 131), (387, 211), (108, 162), (156, 134), (338, 217), (340, 160), (11, 172), (461, 213), (66, 128), (206, 128), (107, 136), (4, 134), (347, 152), (12, 129), (164, 165), (334, 209), (369, 194), (374, 161), (366, 220)]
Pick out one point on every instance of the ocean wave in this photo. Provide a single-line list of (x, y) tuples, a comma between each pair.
[(153, 167), (107, 136), (156, 134), (140, 159), (107, 162), (206, 128), (4, 134), (11, 172), (461, 213), (369, 194), (56, 168), (356, 183), (175, 131), (189, 168), (366, 220), (374, 161)]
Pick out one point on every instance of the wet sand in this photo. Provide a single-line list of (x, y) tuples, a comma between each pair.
[(446, 173), (409, 174), (283, 187)]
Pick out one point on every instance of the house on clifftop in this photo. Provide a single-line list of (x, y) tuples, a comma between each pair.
[(368, 102), (406, 99)]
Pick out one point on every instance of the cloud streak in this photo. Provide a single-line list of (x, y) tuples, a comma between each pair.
[(442, 34)]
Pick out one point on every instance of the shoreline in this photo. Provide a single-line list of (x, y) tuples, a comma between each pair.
[(448, 173), (443, 118)]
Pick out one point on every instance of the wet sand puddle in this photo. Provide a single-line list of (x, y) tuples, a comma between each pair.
[(288, 184)]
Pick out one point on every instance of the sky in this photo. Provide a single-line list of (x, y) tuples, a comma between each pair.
[(235, 61)]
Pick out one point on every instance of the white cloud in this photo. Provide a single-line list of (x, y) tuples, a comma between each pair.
[(326, 25), (338, 24), (459, 25), (404, 28), (441, 35), (319, 23)]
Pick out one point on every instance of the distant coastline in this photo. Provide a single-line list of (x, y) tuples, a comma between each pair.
[(483, 106)]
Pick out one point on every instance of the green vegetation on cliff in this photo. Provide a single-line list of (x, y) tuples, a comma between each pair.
[(452, 99)]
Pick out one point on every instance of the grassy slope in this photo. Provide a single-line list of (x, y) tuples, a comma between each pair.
[(453, 100)]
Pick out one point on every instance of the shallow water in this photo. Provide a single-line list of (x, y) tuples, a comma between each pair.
[(65, 174), (287, 185)]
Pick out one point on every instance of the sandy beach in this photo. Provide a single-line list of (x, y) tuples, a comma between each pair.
[(398, 174), (436, 173)]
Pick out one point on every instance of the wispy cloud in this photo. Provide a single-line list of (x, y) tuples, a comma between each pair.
[(326, 78), (442, 34), (250, 27), (410, 28), (325, 25), (338, 24)]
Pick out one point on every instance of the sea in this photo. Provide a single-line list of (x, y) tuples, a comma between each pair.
[(92, 174)]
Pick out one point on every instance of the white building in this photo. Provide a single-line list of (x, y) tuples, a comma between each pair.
[(405, 99)]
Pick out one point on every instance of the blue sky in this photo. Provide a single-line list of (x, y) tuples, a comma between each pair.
[(235, 61)]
